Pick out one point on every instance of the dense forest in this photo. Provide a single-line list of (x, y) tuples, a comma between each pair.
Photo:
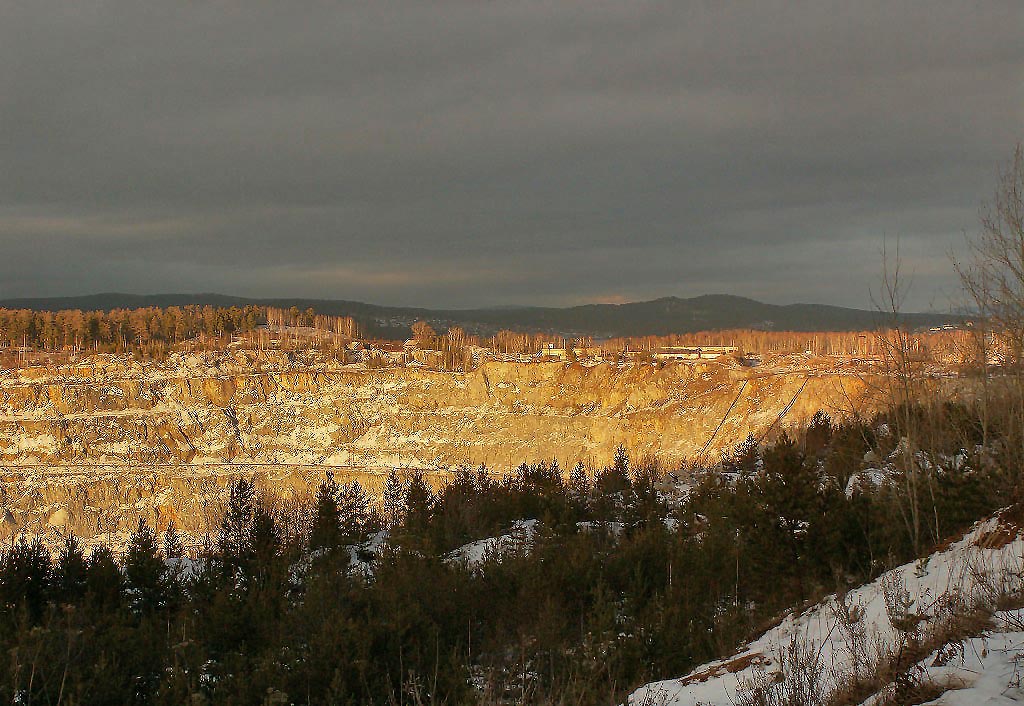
[(618, 575), (122, 329)]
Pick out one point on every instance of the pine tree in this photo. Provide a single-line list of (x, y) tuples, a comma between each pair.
[(104, 582), (819, 433), (645, 504), (249, 539), (234, 541), (579, 488), (173, 547), (70, 571), (620, 463), (744, 459), (393, 501), (145, 571), (483, 482), (25, 575), (326, 533), (419, 506), (787, 501), (355, 510), (615, 479), (265, 540)]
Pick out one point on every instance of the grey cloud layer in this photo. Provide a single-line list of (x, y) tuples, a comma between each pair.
[(468, 153)]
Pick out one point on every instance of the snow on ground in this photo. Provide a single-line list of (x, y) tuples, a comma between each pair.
[(877, 473), (867, 479), (613, 528), (475, 553), (361, 556), (979, 671), (846, 634), (185, 567)]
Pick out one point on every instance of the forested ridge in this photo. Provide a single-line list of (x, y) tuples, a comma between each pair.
[(657, 317)]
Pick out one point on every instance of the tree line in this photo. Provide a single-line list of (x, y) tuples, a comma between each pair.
[(947, 345), (293, 317), (122, 330), (152, 330)]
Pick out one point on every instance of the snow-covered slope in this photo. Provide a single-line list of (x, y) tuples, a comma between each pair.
[(979, 671), (843, 637)]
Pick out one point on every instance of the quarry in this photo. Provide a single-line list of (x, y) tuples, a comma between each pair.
[(95, 443)]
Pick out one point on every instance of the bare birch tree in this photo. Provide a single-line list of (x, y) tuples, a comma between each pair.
[(993, 272), (992, 275)]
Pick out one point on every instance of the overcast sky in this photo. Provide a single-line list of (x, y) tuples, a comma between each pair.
[(479, 153)]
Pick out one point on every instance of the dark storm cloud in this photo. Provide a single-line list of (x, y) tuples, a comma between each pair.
[(467, 153)]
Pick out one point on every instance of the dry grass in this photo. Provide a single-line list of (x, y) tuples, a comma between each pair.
[(893, 672)]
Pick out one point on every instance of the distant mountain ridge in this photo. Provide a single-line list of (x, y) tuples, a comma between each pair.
[(656, 317)]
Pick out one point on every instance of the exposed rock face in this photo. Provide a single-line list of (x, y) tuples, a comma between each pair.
[(107, 440)]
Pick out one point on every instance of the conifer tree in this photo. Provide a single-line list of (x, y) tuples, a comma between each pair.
[(265, 541), (355, 512), (819, 432), (419, 509), (104, 582), (70, 571), (790, 487), (615, 478), (144, 570), (326, 534), (645, 503), (579, 488), (173, 547), (483, 482), (393, 501), (25, 575), (249, 539), (620, 463), (234, 541), (745, 457)]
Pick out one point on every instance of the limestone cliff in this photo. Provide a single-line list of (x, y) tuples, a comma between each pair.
[(108, 439)]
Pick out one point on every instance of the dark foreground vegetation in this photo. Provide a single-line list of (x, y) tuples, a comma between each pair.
[(626, 579)]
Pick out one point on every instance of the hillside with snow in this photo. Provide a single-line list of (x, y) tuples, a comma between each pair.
[(958, 607)]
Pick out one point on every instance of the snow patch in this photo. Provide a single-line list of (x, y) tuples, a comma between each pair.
[(520, 536)]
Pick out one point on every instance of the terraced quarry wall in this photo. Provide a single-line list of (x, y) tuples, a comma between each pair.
[(95, 445)]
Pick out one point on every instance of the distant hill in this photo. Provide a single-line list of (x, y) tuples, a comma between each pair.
[(657, 317)]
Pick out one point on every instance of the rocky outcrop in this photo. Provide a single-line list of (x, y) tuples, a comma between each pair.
[(108, 439)]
